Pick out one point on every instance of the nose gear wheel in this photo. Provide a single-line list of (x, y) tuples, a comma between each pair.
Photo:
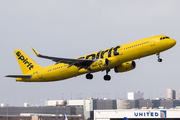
[(159, 59)]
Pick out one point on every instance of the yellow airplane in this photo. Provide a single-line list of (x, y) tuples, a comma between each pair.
[(119, 58)]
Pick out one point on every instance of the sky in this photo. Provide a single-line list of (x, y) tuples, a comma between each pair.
[(69, 28)]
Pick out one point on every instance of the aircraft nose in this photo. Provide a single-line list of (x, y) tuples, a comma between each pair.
[(173, 42)]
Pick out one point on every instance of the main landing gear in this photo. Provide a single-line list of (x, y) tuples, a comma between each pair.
[(89, 76), (159, 59), (107, 77)]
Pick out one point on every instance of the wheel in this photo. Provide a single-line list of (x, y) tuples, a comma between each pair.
[(159, 60), (107, 77), (89, 76)]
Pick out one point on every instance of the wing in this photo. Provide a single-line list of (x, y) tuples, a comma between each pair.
[(81, 63)]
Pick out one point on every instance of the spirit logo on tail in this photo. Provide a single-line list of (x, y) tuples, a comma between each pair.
[(25, 60)]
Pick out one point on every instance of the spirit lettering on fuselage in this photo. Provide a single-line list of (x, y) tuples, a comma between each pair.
[(100, 54), (25, 60)]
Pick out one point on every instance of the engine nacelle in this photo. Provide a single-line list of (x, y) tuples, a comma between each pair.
[(127, 66), (99, 64)]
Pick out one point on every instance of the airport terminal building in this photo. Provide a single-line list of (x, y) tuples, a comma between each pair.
[(137, 114), (99, 109), (135, 107)]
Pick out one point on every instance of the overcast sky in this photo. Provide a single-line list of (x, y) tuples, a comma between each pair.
[(71, 29)]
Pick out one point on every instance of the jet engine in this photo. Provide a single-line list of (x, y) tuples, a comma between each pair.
[(127, 66), (99, 64)]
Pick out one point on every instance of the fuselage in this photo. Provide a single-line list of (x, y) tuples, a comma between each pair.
[(117, 55)]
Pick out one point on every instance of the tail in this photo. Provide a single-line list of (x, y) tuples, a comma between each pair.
[(125, 118), (65, 117), (27, 65)]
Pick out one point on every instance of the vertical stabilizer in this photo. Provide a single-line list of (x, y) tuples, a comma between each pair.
[(125, 118), (65, 117), (27, 65)]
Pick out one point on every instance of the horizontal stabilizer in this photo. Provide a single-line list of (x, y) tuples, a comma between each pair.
[(19, 76)]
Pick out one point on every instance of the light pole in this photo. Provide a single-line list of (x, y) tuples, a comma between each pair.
[(7, 112)]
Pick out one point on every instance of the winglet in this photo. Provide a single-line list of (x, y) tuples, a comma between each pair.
[(35, 51)]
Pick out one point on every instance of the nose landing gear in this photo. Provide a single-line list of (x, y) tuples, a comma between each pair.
[(159, 59)]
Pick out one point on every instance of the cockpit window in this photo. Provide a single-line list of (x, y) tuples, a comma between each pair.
[(164, 38)]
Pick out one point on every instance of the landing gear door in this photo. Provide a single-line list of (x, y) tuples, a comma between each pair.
[(152, 41)]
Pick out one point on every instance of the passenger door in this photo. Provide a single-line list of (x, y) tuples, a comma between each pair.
[(152, 41)]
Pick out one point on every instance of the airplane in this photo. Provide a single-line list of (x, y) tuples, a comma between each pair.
[(120, 58), (125, 118), (65, 117)]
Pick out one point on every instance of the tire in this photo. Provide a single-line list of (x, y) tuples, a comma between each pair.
[(107, 77), (89, 76), (159, 60)]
